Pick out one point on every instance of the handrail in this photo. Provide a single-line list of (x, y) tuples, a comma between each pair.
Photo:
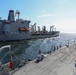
[(8, 46)]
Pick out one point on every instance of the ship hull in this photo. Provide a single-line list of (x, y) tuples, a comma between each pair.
[(15, 37)]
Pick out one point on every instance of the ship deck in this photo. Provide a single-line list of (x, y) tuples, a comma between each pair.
[(61, 62)]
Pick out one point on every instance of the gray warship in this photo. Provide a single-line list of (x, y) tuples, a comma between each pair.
[(19, 29)]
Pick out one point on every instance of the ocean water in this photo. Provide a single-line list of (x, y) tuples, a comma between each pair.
[(28, 50), (46, 45)]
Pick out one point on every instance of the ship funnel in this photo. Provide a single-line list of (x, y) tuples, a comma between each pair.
[(11, 15)]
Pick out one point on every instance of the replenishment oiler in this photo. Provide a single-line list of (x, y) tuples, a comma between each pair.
[(20, 29)]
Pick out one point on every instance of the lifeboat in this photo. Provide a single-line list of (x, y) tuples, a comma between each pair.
[(24, 29), (27, 29)]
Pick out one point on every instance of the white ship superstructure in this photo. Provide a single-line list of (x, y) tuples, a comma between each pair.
[(20, 29)]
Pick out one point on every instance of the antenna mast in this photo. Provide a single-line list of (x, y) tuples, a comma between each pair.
[(18, 13)]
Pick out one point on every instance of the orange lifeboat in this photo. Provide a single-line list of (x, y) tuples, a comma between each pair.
[(21, 29), (27, 29), (24, 29)]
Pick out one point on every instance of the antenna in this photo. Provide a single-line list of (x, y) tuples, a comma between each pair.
[(18, 13)]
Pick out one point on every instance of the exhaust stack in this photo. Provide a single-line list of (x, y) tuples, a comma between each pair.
[(11, 15)]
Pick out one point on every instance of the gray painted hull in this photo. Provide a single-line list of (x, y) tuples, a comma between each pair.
[(14, 37)]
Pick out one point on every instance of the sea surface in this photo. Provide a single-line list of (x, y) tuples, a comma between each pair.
[(28, 49)]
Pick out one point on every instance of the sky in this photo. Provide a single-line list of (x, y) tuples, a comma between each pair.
[(60, 13)]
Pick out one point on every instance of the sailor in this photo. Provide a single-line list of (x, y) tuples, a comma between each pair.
[(39, 51), (48, 52), (42, 56), (38, 59), (57, 47), (60, 46), (67, 46), (54, 48)]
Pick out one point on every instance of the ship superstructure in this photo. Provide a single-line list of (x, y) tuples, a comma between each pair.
[(20, 29)]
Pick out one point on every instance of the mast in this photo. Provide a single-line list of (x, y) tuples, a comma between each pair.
[(18, 13)]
